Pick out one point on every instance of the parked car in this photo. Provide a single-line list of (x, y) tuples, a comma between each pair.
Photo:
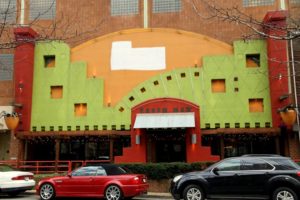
[(246, 177), (106, 180), (14, 182)]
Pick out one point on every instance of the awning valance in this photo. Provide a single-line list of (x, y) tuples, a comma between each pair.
[(165, 120)]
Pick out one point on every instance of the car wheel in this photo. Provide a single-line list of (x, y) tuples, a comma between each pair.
[(284, 193), (47, 192), (113, 192), (193, 192)]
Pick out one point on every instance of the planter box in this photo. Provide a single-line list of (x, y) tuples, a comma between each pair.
[(161, 186)]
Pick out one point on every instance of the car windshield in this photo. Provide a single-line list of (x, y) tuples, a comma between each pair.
[(6, 168)]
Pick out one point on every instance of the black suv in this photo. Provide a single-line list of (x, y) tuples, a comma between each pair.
[(246, 177)]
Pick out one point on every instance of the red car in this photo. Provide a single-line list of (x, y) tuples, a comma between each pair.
[(107, 180)]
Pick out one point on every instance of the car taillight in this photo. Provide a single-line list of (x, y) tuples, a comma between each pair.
[(298, 173), (17, 178)]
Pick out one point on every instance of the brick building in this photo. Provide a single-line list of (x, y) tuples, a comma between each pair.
[(145, 81)]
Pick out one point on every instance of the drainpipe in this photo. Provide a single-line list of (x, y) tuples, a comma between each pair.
[(22, 15), (294, 85), (145, 13)]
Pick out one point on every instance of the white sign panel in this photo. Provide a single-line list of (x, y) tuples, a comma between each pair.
[(124, 57), (7, 109)]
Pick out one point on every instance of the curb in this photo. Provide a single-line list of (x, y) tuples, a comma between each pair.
[(157, 195)]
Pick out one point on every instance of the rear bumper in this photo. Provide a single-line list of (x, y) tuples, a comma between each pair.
[(135, 190)]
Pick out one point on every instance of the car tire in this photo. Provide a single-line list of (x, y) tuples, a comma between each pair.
[(47, 191), (113, 192), (284, 193), (193, 192)]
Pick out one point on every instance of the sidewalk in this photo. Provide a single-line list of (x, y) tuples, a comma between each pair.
[(156, 195)]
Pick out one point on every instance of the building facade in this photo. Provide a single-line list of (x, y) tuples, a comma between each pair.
[(146, 81)]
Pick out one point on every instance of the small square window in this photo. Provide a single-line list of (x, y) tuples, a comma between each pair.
[(56, 92), (207, 125), (143, 90), (121, 109), (131, 98), (247, 125), (196, 74), (227, 125), (182, 75), (122, 127), (169, 78), (80, 109), (236, 89), (49, 61), (252, 60), (268, 124), (256, 105), (155, 83), (235, 78), (218, 85)]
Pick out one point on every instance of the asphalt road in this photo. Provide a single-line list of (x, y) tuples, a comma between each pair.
[(32, 196)]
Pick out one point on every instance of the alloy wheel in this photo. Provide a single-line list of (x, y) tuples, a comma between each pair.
[(113, 192), (194, 194), (284, 195), (47, 192)]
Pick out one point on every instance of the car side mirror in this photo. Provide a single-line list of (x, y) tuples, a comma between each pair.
[(215, 171), (69, 174)]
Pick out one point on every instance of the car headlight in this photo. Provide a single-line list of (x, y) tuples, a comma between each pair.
[(176, 178)]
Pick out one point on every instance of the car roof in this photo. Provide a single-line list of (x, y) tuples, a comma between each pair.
[(262, 155)]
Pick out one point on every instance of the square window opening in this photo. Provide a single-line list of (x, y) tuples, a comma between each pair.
[(252, 60), (218, 85), (49, 61)]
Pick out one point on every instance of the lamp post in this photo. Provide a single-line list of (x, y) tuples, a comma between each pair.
[(11, 120)]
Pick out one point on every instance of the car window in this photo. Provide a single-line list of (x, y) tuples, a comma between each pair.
[(114, 170), (284, 164), (230, 165), (85, 171), (6, 168), (256, 164), (101, 171)]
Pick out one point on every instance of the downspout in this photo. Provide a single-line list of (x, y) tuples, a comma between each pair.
[(294, 85), (145, 13), (22, 15)]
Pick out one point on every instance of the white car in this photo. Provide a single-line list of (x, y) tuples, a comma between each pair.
[(14, 182)]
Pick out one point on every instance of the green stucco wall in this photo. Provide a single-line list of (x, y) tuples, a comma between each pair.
[(216, 108)]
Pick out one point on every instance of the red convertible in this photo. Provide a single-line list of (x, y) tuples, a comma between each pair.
[(107, 180)]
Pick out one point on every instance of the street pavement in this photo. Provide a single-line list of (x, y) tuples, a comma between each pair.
[(30, 195)]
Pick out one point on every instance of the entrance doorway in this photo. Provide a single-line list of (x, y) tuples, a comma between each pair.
[(166, 145)]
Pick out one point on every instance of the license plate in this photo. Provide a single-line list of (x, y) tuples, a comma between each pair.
[(144, 180), (26, 178)]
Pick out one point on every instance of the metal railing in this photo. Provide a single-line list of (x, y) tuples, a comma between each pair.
[(46, 167)]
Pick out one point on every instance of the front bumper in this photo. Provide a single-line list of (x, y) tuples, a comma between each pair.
[(17, 186), (175, 193)]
